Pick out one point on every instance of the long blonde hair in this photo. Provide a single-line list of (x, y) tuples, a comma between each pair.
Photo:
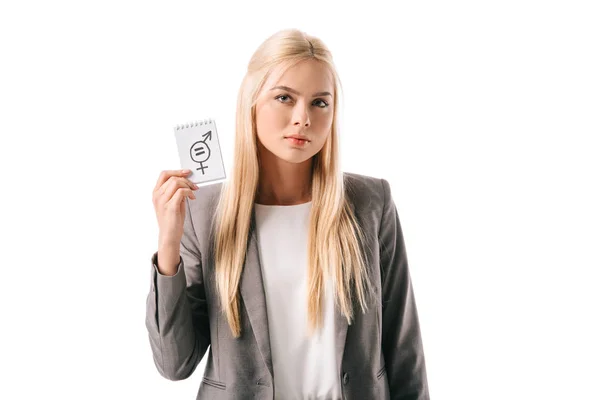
[(334, 234)]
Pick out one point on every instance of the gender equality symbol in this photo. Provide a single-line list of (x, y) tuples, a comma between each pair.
[(200, 152)]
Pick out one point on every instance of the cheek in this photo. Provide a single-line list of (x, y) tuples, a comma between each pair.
[(271, 119), (322, 123)]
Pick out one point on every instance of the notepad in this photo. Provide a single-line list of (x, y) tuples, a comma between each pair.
[(200, 152)]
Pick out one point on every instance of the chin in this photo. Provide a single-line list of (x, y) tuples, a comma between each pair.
[(288, 154), (294, 160), (294, 157)]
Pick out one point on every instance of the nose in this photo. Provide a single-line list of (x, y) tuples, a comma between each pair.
[(301, 116)]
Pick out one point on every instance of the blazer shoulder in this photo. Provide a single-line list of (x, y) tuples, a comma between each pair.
[(365, 181), (364, 190)]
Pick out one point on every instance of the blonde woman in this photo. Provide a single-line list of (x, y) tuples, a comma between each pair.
[(292, 273)]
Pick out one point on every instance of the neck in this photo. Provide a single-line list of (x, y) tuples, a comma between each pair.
[(287, 184)]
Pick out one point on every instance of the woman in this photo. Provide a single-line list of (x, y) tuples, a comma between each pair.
[(294, 272)]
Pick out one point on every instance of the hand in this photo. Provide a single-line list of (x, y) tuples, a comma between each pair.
[(168, 198)]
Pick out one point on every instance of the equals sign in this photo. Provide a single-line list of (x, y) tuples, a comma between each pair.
[(200, 152)]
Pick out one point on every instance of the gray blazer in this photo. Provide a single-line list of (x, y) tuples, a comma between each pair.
[(379, 356)]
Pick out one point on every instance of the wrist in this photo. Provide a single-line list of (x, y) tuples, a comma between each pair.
[(167, 243), (167, 261)]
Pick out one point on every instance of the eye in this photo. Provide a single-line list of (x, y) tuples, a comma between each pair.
[(282, 95), (324, 103)]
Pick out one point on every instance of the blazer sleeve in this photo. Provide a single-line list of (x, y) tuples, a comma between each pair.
[(177, 312), (401, 335)]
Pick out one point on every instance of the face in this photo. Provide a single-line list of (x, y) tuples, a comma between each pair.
[(298, 102)]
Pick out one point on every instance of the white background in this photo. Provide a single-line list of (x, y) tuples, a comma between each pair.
[(483, 116)]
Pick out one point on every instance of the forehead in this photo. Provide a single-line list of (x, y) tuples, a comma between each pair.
[(305, 76)]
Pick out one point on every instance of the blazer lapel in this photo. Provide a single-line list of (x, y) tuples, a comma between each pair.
[(253, 295), (341, 329)]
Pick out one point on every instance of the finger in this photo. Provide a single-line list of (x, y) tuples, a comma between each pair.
[(164, 193), (165, 175), (171, 186), (178, 197), (175, 182)]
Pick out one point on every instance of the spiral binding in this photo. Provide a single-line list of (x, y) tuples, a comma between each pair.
[(194, 123)]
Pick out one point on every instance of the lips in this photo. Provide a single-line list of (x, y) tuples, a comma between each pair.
[(297, 142), (297, 137)]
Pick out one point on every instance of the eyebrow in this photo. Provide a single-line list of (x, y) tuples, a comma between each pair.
[(289, 89)]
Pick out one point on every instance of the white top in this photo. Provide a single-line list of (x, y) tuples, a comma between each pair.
[(303, 367)]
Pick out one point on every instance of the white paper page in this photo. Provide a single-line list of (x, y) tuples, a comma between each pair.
[(199, 151)]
